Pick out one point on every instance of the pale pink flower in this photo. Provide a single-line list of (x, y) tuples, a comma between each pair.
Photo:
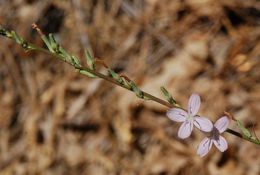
[(220, 142), (189, 118)]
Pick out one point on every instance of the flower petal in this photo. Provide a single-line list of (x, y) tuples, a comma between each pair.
[(221, 144), (222, 124), (194, 104), (185, 129), (203, 124), (176, 114), (204, 146)]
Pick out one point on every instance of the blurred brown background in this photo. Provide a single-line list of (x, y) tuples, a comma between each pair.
[(56, 121)]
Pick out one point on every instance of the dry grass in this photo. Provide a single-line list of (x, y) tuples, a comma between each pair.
[(55, 121)]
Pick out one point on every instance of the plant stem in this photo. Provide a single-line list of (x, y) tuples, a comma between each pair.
[(153, 98), (31, 47)]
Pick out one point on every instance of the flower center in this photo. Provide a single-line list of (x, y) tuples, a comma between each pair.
[(190, 118), (214, 133)]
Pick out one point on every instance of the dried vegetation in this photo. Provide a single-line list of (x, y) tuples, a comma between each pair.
[(56, 121)]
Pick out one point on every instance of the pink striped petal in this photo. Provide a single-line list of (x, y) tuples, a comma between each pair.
[(222, 124), (221, 144), (203, 124), (176, 114), (185, 130), (194, 104), (204, 146)]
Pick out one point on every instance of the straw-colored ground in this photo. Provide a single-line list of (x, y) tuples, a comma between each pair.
[(55, 121)]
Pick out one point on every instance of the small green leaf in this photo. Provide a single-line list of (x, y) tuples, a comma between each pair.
[(65, 54), (75, 61), (168, 97), (5, 32), (244, 130), (126, 84), (47, 43), (90, 61), (115, 75), (247, 134), (137, 91), (17, 38), (53, 42), (84, 72)]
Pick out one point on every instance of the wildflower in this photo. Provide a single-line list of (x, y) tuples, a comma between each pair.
[(220, 142), (189, 118)]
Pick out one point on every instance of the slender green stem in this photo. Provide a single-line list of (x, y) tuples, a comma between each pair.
[(32, 47), (100, 75), (234, 133), (111, 80)]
